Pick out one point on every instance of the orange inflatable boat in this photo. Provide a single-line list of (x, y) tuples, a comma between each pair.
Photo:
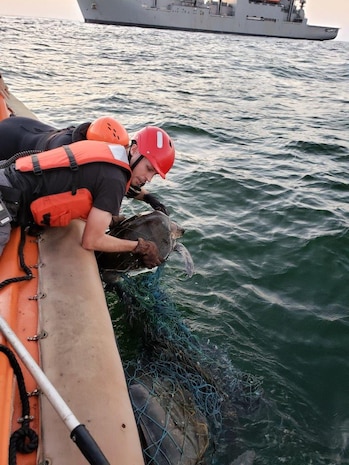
[(64, 398)]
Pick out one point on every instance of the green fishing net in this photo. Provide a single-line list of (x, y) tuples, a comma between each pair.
[(181, 390)]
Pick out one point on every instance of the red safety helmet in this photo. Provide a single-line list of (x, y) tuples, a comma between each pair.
[(157, 146), (107, 129)]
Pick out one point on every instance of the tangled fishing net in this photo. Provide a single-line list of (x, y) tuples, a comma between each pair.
[(181, 389)]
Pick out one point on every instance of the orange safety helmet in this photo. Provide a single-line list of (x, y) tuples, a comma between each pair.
[(157, 146), (107, 129)]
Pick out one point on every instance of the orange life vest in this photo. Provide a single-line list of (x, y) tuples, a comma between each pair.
[(59, 209)]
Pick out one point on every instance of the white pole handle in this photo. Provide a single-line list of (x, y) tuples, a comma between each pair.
[(79, 433)]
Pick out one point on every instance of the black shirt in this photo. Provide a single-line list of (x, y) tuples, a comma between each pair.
[(20, 134)]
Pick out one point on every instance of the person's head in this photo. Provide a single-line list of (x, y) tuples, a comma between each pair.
[(151, 152), (107, 129)]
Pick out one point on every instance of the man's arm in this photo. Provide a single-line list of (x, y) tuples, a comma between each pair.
[(95, 238), (140, 193)]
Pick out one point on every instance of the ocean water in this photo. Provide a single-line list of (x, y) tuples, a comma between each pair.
[(261, 185)]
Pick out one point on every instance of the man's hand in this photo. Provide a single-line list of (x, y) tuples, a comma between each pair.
[(148, 252), (155, 203), (133, 192), (116, 220)]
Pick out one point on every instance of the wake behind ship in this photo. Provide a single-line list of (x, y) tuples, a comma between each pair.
[(266, 18)]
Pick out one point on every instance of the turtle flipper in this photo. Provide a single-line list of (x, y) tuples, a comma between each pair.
[(184, 252)]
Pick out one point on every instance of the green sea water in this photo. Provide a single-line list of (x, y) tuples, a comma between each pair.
[(261, 185)]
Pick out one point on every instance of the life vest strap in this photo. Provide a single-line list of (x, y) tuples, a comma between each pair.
[(72, 160), (73, 166), (36, 165)]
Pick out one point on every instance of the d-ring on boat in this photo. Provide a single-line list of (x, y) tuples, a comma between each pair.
[(55, 329)]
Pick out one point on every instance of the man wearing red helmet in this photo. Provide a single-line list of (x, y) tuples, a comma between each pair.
[(87, 180), (21, 134)]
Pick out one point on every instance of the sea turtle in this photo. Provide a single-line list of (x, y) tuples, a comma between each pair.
[(152, 226), (172, 430)]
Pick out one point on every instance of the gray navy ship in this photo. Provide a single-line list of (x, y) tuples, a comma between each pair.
[(265, 18)]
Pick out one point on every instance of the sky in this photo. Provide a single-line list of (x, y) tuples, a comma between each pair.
[(319, 12)]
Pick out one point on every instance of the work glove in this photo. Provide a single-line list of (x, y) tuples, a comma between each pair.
[(133, 192), (154, 203), (148, 252)]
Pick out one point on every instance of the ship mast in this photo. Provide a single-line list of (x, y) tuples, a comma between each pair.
[(289, 16)]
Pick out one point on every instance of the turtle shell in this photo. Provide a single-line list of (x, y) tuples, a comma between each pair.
[(154, 226)]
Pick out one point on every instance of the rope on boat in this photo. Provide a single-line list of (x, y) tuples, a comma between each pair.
[(25, 268), (9, 161), (24, 440)]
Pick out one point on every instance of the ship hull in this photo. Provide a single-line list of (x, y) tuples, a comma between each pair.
[(200, 19)]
